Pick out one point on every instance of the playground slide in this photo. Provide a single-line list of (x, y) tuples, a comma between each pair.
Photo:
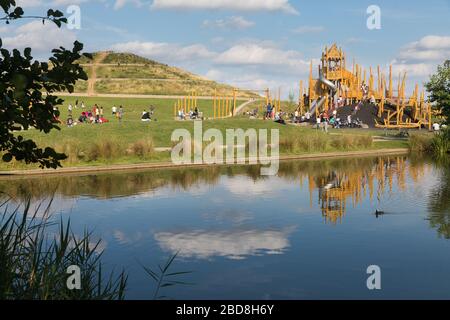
[(317, 104), (327, 82)]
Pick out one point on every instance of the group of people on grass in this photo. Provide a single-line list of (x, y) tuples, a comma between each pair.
[(192, 114), (93, 116), (273, 114)]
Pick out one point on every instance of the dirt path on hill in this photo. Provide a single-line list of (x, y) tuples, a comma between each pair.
[(93, 78)]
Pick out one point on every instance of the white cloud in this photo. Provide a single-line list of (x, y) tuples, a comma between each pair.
[(121, 3), (308, 29), (430, 48), (264, 55), (29, 3), (412, 69), (165, 52), (234, 22), (42, 38), (239, 5), (419, 59), (253, 66)]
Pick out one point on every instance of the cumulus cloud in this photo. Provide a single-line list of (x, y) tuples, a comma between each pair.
[(412, 69), (121, 3), (420, 58), (430, 48), (42, 38), (254, 66), (29, 3), (248, 5), (234, 22), (289, 61), (165, 52)]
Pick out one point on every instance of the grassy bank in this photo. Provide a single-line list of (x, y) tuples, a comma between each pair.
[(133, 141)]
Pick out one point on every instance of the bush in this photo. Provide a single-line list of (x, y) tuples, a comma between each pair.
[(104, 149), (441, 143), (141, 148), (420, 143)]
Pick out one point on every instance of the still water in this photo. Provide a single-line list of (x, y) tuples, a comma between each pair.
[(308, 233)]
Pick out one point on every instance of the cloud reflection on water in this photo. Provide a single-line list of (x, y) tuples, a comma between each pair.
[(233, 244)]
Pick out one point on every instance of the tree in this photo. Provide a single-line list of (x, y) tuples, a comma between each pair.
[(291, 99), (439, 89), (26, 87)]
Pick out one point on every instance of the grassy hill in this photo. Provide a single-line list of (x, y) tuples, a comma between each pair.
[(126, 73)]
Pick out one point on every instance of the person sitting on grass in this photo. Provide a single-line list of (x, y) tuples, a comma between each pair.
[(83, 117), (279, 119), (69, 122), (181, 115), (146, 116), (103, 120)]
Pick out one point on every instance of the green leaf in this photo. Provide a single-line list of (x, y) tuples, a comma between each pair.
[(7, 157)]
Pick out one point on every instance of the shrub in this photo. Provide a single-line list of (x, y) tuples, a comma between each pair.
[(420, 143), (287, 144), (141, 148), (441, 143), (104, 149)]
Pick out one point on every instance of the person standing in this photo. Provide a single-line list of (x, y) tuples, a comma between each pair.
[(70, 108), (120, 113)]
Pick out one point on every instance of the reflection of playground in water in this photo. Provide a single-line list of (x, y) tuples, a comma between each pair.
[(339, 183), (337, 190)]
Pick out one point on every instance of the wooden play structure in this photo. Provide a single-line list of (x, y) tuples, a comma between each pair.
[(335, 81), (186, 103), (224, 106)]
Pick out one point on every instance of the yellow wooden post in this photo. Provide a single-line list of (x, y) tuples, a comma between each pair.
[(429, 117), (196, 98), (215, 102), (227, 113), (301, 102), (379, 79), (234, 101), (390, 82), (184, 105), (189, 99)]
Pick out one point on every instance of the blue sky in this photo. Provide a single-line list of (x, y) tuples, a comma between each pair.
[(252, 43)]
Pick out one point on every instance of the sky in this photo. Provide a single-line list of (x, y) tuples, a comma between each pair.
[(251, 44)]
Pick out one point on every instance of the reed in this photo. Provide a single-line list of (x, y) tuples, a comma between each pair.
[(34, 265)]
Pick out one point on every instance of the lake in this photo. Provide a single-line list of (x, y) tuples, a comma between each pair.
[(309, 233)]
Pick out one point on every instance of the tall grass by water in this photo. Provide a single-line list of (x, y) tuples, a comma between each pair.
[(437, 144), (34, 264), (36, 254)]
